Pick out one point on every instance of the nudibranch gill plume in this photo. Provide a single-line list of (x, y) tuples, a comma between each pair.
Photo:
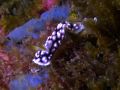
[(43, 57)]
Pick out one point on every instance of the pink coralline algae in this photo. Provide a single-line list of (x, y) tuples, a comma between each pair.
[(4, 56), (47, 4)]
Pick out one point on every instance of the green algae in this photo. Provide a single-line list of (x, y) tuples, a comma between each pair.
[(16, 12)]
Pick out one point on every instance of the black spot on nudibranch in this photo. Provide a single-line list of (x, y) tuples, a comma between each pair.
[(70, 26)]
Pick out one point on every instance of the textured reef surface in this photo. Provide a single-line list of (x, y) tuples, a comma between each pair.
[(86, 60), (33, 27)]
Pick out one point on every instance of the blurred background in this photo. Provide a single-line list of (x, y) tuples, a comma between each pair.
[(89, 60)]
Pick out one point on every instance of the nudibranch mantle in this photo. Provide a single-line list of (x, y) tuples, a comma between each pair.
[(43, 57)]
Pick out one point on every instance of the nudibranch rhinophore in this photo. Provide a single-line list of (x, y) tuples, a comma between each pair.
[(43, 57)]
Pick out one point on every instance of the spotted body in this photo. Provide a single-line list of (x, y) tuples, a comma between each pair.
[(43, 57)]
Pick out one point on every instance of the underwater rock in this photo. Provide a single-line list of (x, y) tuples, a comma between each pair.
[(28, 81), (28, 29), (33, 27), (58, 13)]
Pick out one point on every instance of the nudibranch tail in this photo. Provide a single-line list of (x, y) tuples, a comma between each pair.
[(43, 57)]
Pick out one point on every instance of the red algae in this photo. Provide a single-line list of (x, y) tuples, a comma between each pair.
[(47, 4), (4, 56)]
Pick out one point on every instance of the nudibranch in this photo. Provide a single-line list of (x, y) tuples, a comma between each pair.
[(43, 57)]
